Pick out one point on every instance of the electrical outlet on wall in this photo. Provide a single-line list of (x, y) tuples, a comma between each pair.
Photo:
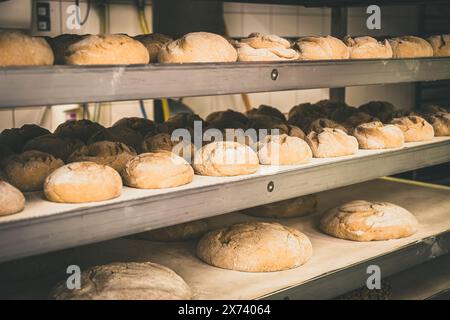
[(46, 18)]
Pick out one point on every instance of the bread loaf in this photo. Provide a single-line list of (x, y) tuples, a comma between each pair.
[(141, 125), (368, 48), (440, 45), (267, 111), (441, 123), (225, 158), (121, 134), (27, 171), (379, 109), (157, 170), (60, 44), (366, 221), (179, 232), (255, 247), (106, 49), (414, 128), (258, 47), (16, 138), (290, 208), (126, 281), (81, 182), (320, 124), (375, 135), (153, 42), (60, 148), (283, 150), (11, 199), (410, 47), (331, 143), (112, 154), (198, 47), (164, 142), (322, 48), (18, 49), (80, 129)]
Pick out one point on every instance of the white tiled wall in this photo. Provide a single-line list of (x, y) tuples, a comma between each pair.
[(241, 19)]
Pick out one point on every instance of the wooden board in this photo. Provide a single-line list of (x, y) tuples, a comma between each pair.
[(430, 205)]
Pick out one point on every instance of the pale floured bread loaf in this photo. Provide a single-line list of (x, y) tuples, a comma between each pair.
[(198, 47), (11, 199), (27, 171), (180, 232), (410, 47), (414, 128), (259, 47), (368, 48), (283, 150), (255, 247), (108, 153), (331, 143), (322, 48), (107, 49), (290, 208), (18, 49), (153, 42), (126, 281), (225, 158), (441, 123), (375, 135), (157, 170), (81, 182), (165, 142), (366, 221), (440, 45)]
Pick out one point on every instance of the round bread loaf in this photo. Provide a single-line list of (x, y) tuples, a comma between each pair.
[(58, 147), (379, 109), (233, 119), (163, 142), (16, 138), (81, 182), (290, 208), (153, 43), (368, 48), (267, 111), (157, 170), (80, 129), (440, 45), (112, 154), (141, 125), (18, 49), (322, 48), (126, 281), (283, 150), (11, 199), (225, 158), (106, 49), (431, 109), (125, 135), (441, 123), (375, 135), (410, 47), (259, 41), (27, 171), (331, 143), (179, 232), (255, 247), (366, 221), (198, 47), (414, 128), (258, 47), (60, 44), (320, 124)]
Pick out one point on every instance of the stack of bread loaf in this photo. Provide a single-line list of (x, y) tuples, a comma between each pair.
[(19, 49)]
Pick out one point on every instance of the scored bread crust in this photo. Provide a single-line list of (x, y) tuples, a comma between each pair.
[(440, 45), (368, 48), (331, 143), (410, 47), (414, 128), (322, 48), (255, 247), (283, 150), (441, 123), (367, 221), (375, 135)]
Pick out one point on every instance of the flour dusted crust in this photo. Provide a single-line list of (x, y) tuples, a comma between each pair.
[(198, 47), (366, 221), (368, 48), (283, 150), (255, 247), (18, 49), (410, 47), (258, 47), (375, 135), (225, 158), (153, 42), (60, 148), (27, 171), (414, 128), (157, 170), (331, 143), (11, 199), (126, 281), (441, 123), (290, 208), (112, 154), (81, 182), (80, 129), (440, 45), (322, 48), (180, 232), (106, 49)]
